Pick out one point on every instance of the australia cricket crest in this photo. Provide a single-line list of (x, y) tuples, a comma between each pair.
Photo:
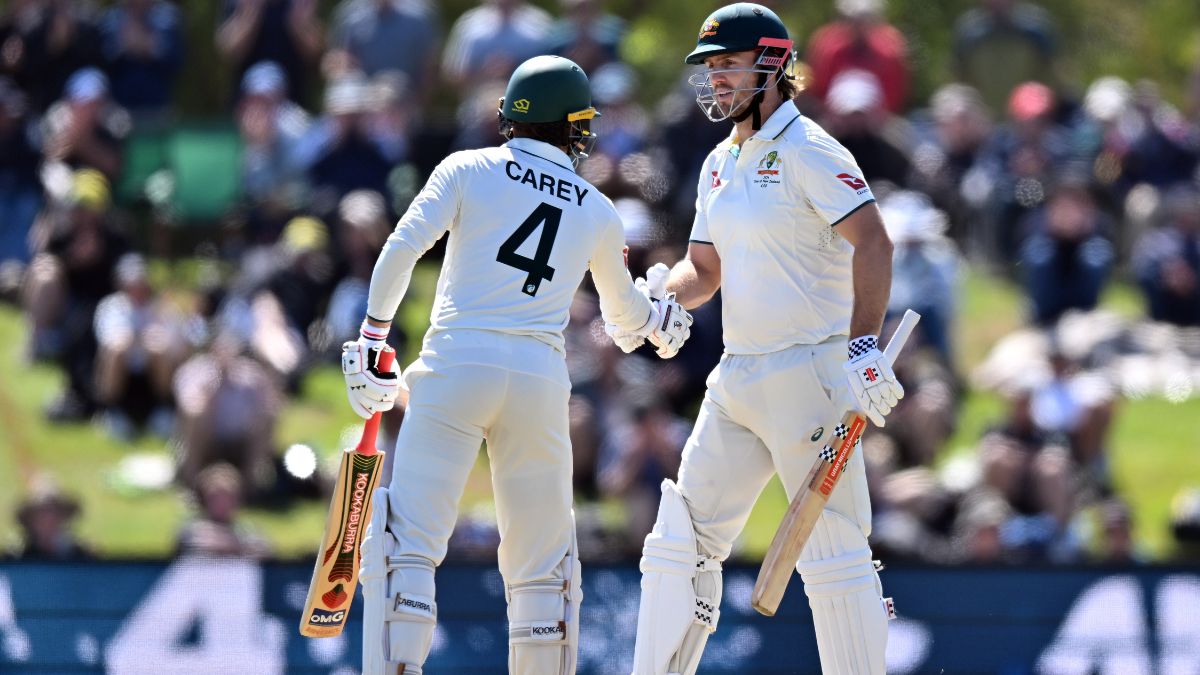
[(769, 168)]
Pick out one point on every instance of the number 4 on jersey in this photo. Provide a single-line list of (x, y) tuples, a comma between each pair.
[(536, 266)]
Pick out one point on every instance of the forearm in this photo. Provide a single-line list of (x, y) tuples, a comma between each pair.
[(389, 281), (692, 286), (872, 272)]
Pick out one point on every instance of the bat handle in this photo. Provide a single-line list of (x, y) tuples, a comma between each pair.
[(907, 323), (366, 445)]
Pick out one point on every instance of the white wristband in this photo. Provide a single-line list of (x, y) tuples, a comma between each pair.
[(373, 336)]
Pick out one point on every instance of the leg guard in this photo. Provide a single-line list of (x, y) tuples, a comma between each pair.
[(543, 621), (845, 595), (399, 613), (681, 593)]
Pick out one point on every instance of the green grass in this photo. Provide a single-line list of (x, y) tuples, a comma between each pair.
[(1153, 451)]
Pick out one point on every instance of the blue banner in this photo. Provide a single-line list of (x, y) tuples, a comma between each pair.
[(230, 616)]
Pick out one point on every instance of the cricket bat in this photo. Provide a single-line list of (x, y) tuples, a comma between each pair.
[(780, 561), (335, 575)]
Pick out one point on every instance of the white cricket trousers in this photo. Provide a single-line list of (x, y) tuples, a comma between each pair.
[(760, 416), (451, 410)]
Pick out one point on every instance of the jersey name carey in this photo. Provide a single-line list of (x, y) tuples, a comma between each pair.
[(556, 187)]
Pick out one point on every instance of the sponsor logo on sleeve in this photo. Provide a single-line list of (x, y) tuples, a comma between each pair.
[(857, 184)]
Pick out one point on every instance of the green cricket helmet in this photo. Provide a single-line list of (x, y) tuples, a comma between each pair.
[(548, 89), (741, 27)]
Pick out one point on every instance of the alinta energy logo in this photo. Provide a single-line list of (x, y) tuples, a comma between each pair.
[(521, 105)]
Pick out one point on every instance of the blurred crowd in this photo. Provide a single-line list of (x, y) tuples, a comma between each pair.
[(282, 206)]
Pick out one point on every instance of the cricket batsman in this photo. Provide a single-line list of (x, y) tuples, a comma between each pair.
[(523, 229), (788, 229)]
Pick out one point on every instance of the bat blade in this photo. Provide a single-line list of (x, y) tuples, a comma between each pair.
[(801, 517), (335, 573), (805, 508)]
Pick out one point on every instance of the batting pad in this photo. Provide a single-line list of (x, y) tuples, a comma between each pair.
[(543, 620), (681, 593), (844, 592), (399, 614)]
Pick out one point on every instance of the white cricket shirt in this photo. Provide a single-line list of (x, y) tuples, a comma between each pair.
[(771, 207), (524, 228)]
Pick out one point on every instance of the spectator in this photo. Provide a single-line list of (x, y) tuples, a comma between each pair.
[(487, 42), (43, 42), (271, 128), (45, 518), (856, 117), (20, 187), (927, 416), (303, 277), (142, 44), (1022, 464), (229, 406), (339, 152), (286, 32), (910, 508), (86, 129), (1116, 535), (1074, 408), (926, 267), (1101, 131), (637, 453), (946, 162), (626, 123), (364, 226), (142, 343), (1162, 144), (378, 36), (1167, 260), (391, 116), (214, 531), (1066, 259), (860, 39), (70, 274), (476, 117), (1001, 44), (977, 533), (586, 34), (1022, 160)]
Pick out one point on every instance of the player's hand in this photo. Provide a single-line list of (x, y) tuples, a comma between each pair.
[(672, 328), (629, 340), (369, 388), (871, 379), (626, 340)]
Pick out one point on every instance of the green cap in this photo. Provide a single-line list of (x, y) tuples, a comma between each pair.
[(738, 27), (548, 89)]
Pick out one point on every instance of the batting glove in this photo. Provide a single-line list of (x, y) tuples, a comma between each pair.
[(369, 388), (872, 381), (673, 328)]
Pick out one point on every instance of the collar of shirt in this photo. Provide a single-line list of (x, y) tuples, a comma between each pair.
[(543, 150), (774, 127)]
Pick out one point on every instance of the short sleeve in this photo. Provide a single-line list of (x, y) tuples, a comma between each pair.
[(831, 180), (700, 224)]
